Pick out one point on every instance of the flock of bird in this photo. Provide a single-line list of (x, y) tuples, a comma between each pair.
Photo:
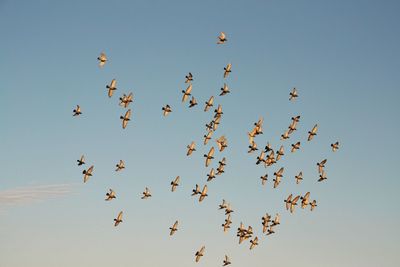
[(268, 157)]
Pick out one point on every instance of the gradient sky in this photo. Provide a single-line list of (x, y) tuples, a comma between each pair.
[(343, 56)]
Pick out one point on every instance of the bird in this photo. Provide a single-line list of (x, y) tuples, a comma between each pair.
[(203, 193), (226, 261), (220, 170), (81, 161), (110, 195), (77, 111), (125, 119), (270, 230), (207, 137), (293, 124), (313, 204), (125, 100), (288, 201), (175, 183), (293, 94), (102, 59), (313, 132), (218, 112), (270, 159), (111, 87), (186, 93), (278, 176), (192, 102), (118, 220), (265, 220), (280, 153), (264, 179), (322, 176), (166, 110), (196, 191), (191, 148), (199, 253), (305, 200), (321, 165), (268, 148), (227, 224), (222, 38), (299, 177), (227, 70), (223, 205), (87, 174), (261, 158), (285, 135), (276, 220), (252, 147), (209, 126), (173, 228), (228, 209), (209, 104), (211, 175), (215, 123), (295, 147), (293, 203), (209, 156), (222, 143), (224, 90), (335, 146), (120, 166), (146, 193), (254, 243), (189, 78)]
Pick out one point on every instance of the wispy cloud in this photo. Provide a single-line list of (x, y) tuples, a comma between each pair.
[(32, 194)]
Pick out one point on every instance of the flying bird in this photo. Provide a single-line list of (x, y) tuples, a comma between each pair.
[(125, 100), (293, 94), (125, 119), (77, 111), (203, 193), (192, 102), (313, 132), (313, 204), (295, 147), (288, 201), (199, 253), (222, 143), (321, 165), (112, 87), (118, 220), (207, 137), (254, 243), (299, 177), (189, 78), (120, 166), (264, 179), (196, 190), (211, 175), (191, 148), (81, 161), (173, 228), (209, 156), (166, 110), (224, 90), (252, 147), (87, 173), (226, 261), (305, 200), (293, 203), (285, 135), (146, 193), (280, 153), (186, 93), (209, 104), (175, 183), (222, 38), (278, 177), (227, 70), (335, 146), (102, 59), (110, 195), (322, 176)]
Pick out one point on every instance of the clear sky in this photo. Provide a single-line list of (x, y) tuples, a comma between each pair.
[(344, 58)]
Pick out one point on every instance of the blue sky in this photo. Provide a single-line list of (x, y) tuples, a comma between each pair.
[(342, 56)]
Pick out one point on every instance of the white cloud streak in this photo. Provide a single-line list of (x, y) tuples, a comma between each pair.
[(33, 194)]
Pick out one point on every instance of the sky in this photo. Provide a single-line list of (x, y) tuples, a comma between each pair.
[(342, 56)]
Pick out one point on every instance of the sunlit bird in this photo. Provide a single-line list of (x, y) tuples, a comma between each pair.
[(222, 143), (321, 165), (118, 220), (209, 103), (313, 204), (146, 193), (192, 102), (102, 59), (280, 153), (209, 156), (254, 243), (81, 161), (173, 228), (166, 110), (226, 261), (110, 195), (276, 220), (112, 87), (87, 173), (211, 175), (298, 177), (207, 137), (125, 100), (252, 147), (203, 193), (305, 200), (186, 93), (175, 183), (196, 190), (77, 111), (190, 148), (199, 253), (278, 177), (295, 147), (335, 146), (125, 119), (264, 179), (189, 77), (313, 132), (222, 38), (227, 70), (322, 176), (293, 94), (120, 166), (224, 90)]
